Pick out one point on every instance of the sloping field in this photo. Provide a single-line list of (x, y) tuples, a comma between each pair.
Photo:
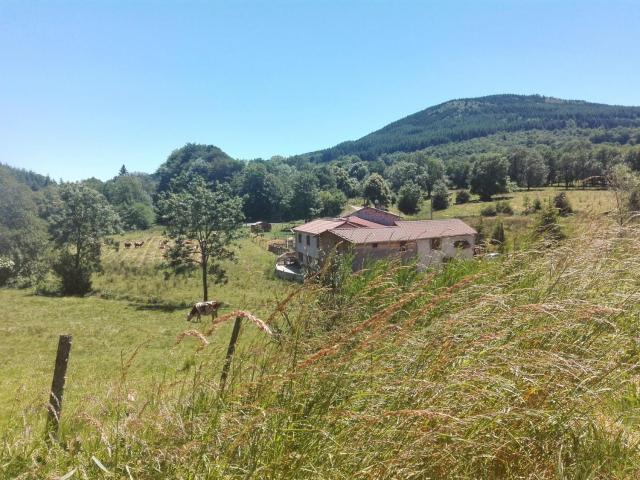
[(134, 274), (526, 367), (137, 312)]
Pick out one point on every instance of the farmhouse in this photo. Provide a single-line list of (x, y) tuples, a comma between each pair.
[(375, 234)]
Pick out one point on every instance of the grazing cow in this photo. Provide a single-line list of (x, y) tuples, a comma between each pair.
[(127, 244), (204, 308), (138, 244)]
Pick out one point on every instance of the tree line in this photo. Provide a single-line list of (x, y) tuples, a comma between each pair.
[(62, 228), (38, 215)]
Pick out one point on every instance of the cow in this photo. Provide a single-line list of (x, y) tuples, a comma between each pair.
[(204, 308), (127, 244), (138, 244)]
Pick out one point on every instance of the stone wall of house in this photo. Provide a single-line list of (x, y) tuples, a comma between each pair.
[(450, 247), (390, 250)]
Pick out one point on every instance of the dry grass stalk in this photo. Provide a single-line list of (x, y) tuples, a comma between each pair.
[(242, 314), (195, 334)]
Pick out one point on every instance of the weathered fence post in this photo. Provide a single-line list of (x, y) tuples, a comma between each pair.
[(57, 386), (230, 350)]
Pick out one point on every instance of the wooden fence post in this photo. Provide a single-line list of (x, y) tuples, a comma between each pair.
[(57, 386), (230, 350)]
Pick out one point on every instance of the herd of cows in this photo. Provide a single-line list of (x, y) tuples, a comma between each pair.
[(163, 244), (135, 244)]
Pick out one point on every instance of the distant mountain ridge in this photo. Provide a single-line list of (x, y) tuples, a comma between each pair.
[(465, 119)]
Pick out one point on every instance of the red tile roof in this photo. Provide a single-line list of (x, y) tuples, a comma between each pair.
[(437, 228), (405, 231), (360, 222), (316, 227), (358, 209)]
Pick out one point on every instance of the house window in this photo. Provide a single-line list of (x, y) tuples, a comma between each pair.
[(436, 243), (300, 257), (318, 242), (461, 244), (308, 240), (299, 238), (374, 245), (403, 246)]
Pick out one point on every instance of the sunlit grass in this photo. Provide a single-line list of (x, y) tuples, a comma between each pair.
[(523, 367)]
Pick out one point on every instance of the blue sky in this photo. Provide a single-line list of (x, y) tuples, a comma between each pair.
[(86, 86)]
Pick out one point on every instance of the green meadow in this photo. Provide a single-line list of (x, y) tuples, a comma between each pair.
[(523, 367), (135, 312)]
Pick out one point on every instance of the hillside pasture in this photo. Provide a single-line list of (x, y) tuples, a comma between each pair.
[(524, 367), (135, 274), (586, 201), (135, 311)]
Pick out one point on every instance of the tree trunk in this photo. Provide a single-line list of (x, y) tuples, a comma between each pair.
[(77, 258), (205, 289)]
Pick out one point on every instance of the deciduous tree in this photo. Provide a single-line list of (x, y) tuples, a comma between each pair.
[(440, 196), (82, 220), (409, 198), (376, 191), (489, 175), (211, 218)]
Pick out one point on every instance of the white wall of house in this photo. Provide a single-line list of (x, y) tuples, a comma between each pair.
[(310, 251), (428, 256)]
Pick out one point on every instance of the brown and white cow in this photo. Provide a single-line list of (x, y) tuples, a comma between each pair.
[(127, 244), (138, 244), (204, 308)]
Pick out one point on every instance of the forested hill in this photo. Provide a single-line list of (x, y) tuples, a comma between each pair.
[(33, 180), (465, 119)]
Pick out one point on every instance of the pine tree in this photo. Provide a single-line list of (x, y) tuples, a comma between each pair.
[(548, 225), (498, 236), (123, 171)]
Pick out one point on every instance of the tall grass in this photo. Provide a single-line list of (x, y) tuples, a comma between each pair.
[(527, 367)]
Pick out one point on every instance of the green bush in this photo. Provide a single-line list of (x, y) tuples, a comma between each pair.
[(74, 279), (489, 211), (504, 207), (7, 270), (547, 225), (462, 196), (537, 204), (498, 236), (561, 202)]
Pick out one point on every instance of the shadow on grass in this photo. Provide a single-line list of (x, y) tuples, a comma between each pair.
[(158, 307)]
